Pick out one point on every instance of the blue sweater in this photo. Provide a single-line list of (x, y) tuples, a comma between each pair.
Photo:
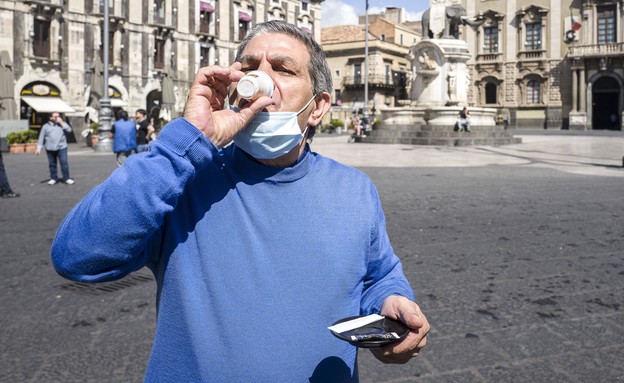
[(252, 263)]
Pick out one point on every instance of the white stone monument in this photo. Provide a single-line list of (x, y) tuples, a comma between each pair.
[(440, 75)]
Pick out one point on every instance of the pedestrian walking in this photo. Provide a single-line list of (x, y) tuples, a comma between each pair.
[(246, 285), (52, 137), (5, 188), (145, 128), (124, 133)]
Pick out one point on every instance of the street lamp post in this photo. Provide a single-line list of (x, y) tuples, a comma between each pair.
[(366, 65), (105, 144)]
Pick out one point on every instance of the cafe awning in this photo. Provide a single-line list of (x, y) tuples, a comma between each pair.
[(205, 7), (244, 16), (48, 104)]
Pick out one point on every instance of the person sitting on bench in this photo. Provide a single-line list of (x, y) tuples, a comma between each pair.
[(463, 121)]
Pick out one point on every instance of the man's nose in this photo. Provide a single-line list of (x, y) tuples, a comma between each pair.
[(265, 66)]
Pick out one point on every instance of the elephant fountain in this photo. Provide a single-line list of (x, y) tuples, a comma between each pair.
[(441, 83)]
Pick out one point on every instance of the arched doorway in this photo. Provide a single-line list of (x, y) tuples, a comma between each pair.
[(490, 93), (606, 104)]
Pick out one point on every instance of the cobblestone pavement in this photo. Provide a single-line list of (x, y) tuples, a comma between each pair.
[(515, 254)]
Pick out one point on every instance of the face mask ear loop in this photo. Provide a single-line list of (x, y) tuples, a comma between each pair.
[(306, 105)]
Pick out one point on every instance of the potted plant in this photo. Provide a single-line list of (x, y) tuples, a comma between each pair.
[(92, 137), (30, 138), (337, 124), (15, 142)]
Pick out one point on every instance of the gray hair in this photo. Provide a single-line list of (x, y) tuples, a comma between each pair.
[(317, 67)]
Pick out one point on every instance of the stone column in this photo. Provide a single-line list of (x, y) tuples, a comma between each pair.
[(583, 89), (574, 90)]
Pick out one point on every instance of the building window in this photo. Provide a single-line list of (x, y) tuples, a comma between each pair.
[(533, 36), (490, 93), (204, 52), (41, 38), (206, 18), (244, 24), (533, 92), (490, 40), (111, 6), (382, 37), (304, 5), (337, 96), (387, 74), (276, 14), (357, 73), (606, 24), (401, 38), (159, 53), (111, 46), (402, 84), (159, 11), (337, 73)]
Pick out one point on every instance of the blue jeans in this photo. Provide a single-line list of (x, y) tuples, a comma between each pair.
[(4, 182), (142, 148), (61, 156)]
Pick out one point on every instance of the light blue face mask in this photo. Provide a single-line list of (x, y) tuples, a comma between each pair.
[(271, 134)]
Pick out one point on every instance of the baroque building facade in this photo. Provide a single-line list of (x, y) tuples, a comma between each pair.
[(556, 64), (389, 69), (56, 47)]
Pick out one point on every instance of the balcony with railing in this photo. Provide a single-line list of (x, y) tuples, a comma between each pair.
[(532, 55), (489, 57), (489, 60), (373, 80), (596, 50)]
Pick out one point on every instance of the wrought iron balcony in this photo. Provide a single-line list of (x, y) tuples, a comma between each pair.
[(596, 50)]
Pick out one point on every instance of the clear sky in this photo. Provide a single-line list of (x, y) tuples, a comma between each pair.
[(344, 12)]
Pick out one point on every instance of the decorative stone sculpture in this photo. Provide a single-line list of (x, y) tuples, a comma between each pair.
[(453, 15)]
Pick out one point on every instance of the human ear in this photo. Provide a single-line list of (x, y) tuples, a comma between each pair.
[(322, 104)]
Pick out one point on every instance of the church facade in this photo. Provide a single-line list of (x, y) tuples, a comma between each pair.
[(551, 64)]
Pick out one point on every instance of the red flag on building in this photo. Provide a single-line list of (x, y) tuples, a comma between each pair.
[(575, 24)]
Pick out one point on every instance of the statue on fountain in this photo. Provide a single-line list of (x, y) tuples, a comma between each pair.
[(453, 15), (440, 85)]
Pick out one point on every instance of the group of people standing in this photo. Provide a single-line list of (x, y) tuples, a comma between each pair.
[(130, 137)]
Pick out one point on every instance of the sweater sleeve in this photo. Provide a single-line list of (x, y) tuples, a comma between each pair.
[(384, 275), (104, 237)]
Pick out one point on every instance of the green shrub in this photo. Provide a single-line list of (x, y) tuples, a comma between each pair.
[(14, 138), (93, 127), (336, 123), (23, 137), (30, 135)]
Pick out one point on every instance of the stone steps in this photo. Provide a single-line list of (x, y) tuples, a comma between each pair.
[(436, 141), (439, 136), (442, 134)]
